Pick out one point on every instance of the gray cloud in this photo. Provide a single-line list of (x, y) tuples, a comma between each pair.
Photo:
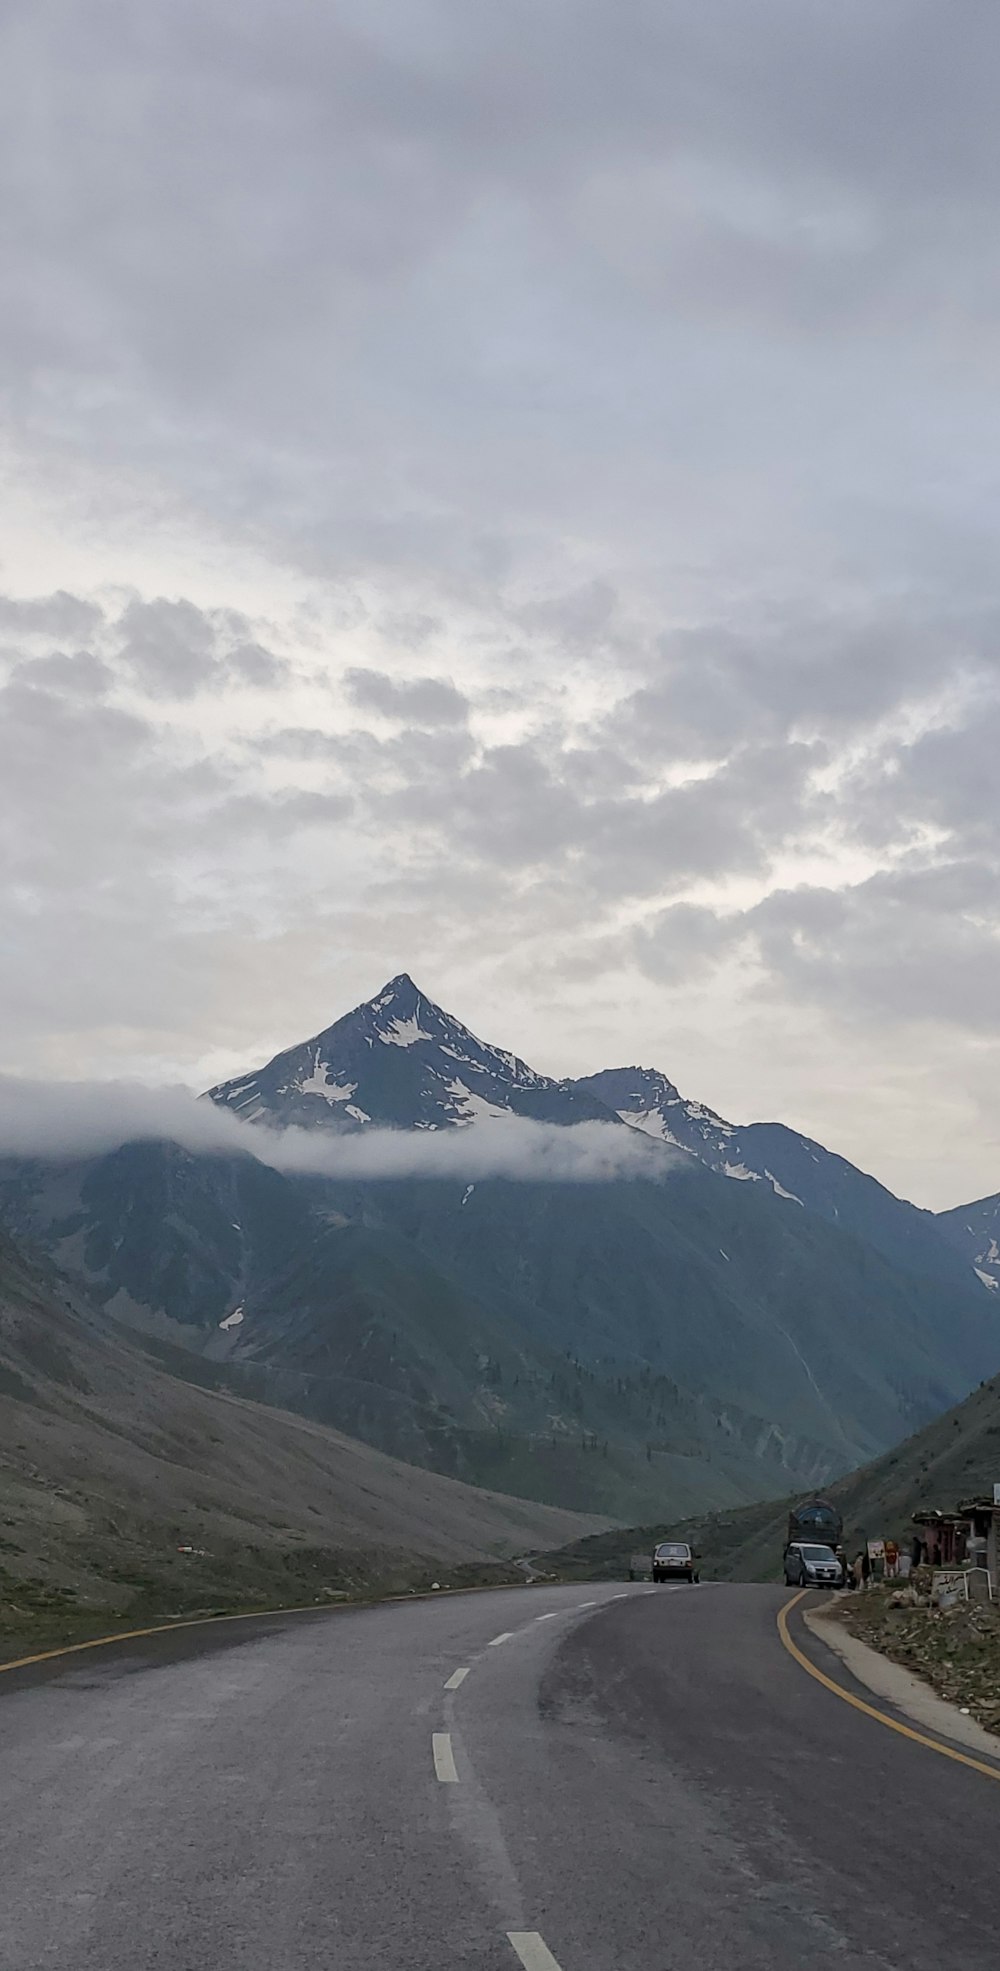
[(687, 941), (251, 663), (946, 781), (76, 674), (921, 945), (60, 615), (173, 649), (169, 646), (490, 242), (586, 473), (416, 701)]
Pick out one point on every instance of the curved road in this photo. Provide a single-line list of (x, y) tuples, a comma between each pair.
[(624, 1780)]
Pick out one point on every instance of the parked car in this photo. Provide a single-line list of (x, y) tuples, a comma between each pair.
[(674, 1560), (808, 1565)]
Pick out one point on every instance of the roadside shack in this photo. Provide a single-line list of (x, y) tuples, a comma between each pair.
[(942, 1536), (964, 1544), (982, 1517)]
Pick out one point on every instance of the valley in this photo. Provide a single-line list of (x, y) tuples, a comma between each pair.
[(746, 1315)]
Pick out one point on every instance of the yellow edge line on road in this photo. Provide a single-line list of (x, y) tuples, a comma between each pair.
[(241, 1615), (168, 1628), (870, 1710)]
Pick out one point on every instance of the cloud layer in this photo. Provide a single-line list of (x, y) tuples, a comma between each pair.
[(84, 1119), (523, 520)]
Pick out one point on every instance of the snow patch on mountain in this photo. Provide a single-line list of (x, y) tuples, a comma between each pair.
[(403, 1033), (650, 1120), (779, 1189), (319, 1082), (471, 1107)]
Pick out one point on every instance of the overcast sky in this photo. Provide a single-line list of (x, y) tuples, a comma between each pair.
[(508, 490)]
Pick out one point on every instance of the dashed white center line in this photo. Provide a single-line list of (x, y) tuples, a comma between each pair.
[(497, 1640), (586, 1604), (534, 1954), (457, 1677), (550, 1617), (444, 1757), (622, 1597)]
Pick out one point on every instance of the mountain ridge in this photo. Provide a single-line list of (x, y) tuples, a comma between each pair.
[(798, 1169), (676, 1330), (974, 1231), (443, 1076)]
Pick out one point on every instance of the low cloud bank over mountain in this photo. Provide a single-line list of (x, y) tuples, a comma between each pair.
[(81, 1119)]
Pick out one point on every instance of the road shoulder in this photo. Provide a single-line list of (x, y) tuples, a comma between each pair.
[(910, 1694)]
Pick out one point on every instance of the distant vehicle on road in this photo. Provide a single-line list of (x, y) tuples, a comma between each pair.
[(816, 1520), (674, 1560), (809, 1565)]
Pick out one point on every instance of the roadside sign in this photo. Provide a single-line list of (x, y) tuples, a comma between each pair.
[(996, 1493), (949, 1585)]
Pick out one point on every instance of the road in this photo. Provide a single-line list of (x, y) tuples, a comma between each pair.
[(626, 1779)]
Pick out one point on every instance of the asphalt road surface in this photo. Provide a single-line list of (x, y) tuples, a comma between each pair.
[(625, 1779)]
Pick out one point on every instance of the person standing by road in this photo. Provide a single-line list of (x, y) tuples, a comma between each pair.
[(866, 1568)]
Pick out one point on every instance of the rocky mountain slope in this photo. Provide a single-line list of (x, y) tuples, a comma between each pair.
[(125, 1488), (974, 1231), (797, 1170), (524, 1336), (688, 1338)]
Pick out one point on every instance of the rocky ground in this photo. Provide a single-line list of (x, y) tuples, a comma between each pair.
[(957, 1649)]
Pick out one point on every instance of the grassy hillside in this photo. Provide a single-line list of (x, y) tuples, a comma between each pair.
[(955, 1457), (109, 1465)]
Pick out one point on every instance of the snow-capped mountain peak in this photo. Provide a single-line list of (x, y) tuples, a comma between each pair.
[(399, 1060)]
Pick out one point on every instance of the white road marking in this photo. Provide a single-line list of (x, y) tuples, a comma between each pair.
[(533, 1953), (622, 1597), (497, 1640), (550, 1617), (457, 1677), (586, 1604), (444, 1758)]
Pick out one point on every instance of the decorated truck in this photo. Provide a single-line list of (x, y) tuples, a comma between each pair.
[(815, 1520)]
